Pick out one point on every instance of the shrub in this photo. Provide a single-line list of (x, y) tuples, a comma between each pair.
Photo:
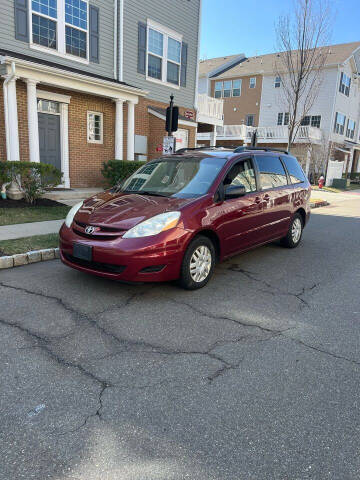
[(32, 178), (115, 171)]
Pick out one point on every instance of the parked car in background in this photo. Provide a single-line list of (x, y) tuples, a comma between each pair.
[(176, 216)]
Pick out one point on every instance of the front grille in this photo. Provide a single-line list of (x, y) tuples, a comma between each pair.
[(100, 267)]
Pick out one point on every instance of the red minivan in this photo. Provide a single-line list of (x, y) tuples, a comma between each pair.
[(178, 215)]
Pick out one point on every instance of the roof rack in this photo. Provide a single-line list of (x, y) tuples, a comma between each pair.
[(264, 149), (183, 150)]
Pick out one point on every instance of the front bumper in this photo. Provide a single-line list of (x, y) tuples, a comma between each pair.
[(149, 259)]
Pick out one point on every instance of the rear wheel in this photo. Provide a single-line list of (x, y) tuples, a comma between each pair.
[(198, 264), (293, 237)]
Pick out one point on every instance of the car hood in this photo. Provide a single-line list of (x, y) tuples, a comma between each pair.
[(123, 211)]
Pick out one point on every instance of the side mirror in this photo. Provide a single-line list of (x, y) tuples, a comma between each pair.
[(234, 191)]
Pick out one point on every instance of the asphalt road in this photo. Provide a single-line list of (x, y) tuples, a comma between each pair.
[(255, 377)]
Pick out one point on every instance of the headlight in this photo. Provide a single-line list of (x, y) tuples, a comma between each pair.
[(70, 216), (154, 225)]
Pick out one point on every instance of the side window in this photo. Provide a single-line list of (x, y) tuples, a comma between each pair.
[(293, 167), (242, 174), (272, 173)]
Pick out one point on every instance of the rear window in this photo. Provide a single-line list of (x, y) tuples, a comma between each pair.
[(295, 171), (272, 173)]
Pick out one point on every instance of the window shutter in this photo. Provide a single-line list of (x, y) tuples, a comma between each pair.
[(94, 30), (142, 41), (184, 52), (21, 20)]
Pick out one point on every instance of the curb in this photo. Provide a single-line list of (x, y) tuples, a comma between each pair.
[(319, 204), (27, 258)]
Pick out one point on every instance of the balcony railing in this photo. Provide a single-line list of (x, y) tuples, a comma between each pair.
[(210, 110), (277, 134)]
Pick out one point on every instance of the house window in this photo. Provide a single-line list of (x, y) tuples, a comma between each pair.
[(218, 89), (340, 120), (283, 118), (236, 92), (316, 121), (163, 55), (51, 17), (95, 127), (350, 131), (76, 27), (227, 89), (345, 83), (250, 120), (252, 83), (277, 83)]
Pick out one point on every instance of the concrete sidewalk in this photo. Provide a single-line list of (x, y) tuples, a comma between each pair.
[(11, 232)]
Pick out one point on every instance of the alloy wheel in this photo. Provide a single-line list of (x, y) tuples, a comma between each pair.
[(200, 264)]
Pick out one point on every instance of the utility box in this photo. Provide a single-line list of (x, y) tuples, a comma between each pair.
[(340, 183)]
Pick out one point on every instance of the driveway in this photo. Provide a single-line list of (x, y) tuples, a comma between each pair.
[(255, 377)]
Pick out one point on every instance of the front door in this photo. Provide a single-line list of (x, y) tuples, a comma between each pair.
[(49, 139)]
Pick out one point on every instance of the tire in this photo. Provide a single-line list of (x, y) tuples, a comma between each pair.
[(294, 235), (198, 264)]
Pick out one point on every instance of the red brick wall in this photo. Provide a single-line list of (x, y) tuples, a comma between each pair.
[(85, 158)]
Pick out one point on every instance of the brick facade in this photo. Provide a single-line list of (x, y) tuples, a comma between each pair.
[(85, 158)]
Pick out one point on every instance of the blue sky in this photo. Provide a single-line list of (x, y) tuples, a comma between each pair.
[(240, 26)]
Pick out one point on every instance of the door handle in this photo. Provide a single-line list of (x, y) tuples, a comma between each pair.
[(267, 198)]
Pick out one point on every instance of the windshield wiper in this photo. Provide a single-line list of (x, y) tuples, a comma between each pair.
[(146, 192)]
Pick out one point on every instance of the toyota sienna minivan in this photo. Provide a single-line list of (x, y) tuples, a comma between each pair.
[(178, 215)]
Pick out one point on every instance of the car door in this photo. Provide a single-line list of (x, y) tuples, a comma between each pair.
[(238, 220), (276, 195)]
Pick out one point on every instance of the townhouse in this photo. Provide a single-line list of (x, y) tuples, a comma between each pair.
[(251, 92), (86, 81)]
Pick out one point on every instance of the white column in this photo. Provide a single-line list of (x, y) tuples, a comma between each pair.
[(119, 128), (308, 161), (131, 131), (64, 134), (33, 124), (213, 138), (12, 129)]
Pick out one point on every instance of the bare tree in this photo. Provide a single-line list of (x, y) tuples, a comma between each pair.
[(302, 56)]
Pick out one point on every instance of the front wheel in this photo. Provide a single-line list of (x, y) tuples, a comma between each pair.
[(198, 264), (293, 237)]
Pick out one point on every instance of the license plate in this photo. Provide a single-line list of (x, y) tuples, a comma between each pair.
[(84, 252)]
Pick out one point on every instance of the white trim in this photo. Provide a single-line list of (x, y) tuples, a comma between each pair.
[(68, 80), (101, 115), (187, 123), (52, 51), (167, 31), (64, 140), (115, 54), (121, 40), (55, 97), (131, 131), (119, 129), (33, 124)]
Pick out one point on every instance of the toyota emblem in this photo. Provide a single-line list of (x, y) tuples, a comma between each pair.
[(89, 229)]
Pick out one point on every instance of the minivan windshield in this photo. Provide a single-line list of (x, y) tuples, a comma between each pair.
[(184, 177)]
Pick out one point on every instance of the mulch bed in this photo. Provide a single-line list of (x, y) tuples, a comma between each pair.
[(40, 202)]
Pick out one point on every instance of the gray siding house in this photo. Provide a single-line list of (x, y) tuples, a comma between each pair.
[(85, 81)]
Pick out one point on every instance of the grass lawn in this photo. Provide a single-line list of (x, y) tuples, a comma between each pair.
[(10, 216), (352, 186), (26, 244)]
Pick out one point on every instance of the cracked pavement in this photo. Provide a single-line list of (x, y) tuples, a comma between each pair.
[(254, 377)]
